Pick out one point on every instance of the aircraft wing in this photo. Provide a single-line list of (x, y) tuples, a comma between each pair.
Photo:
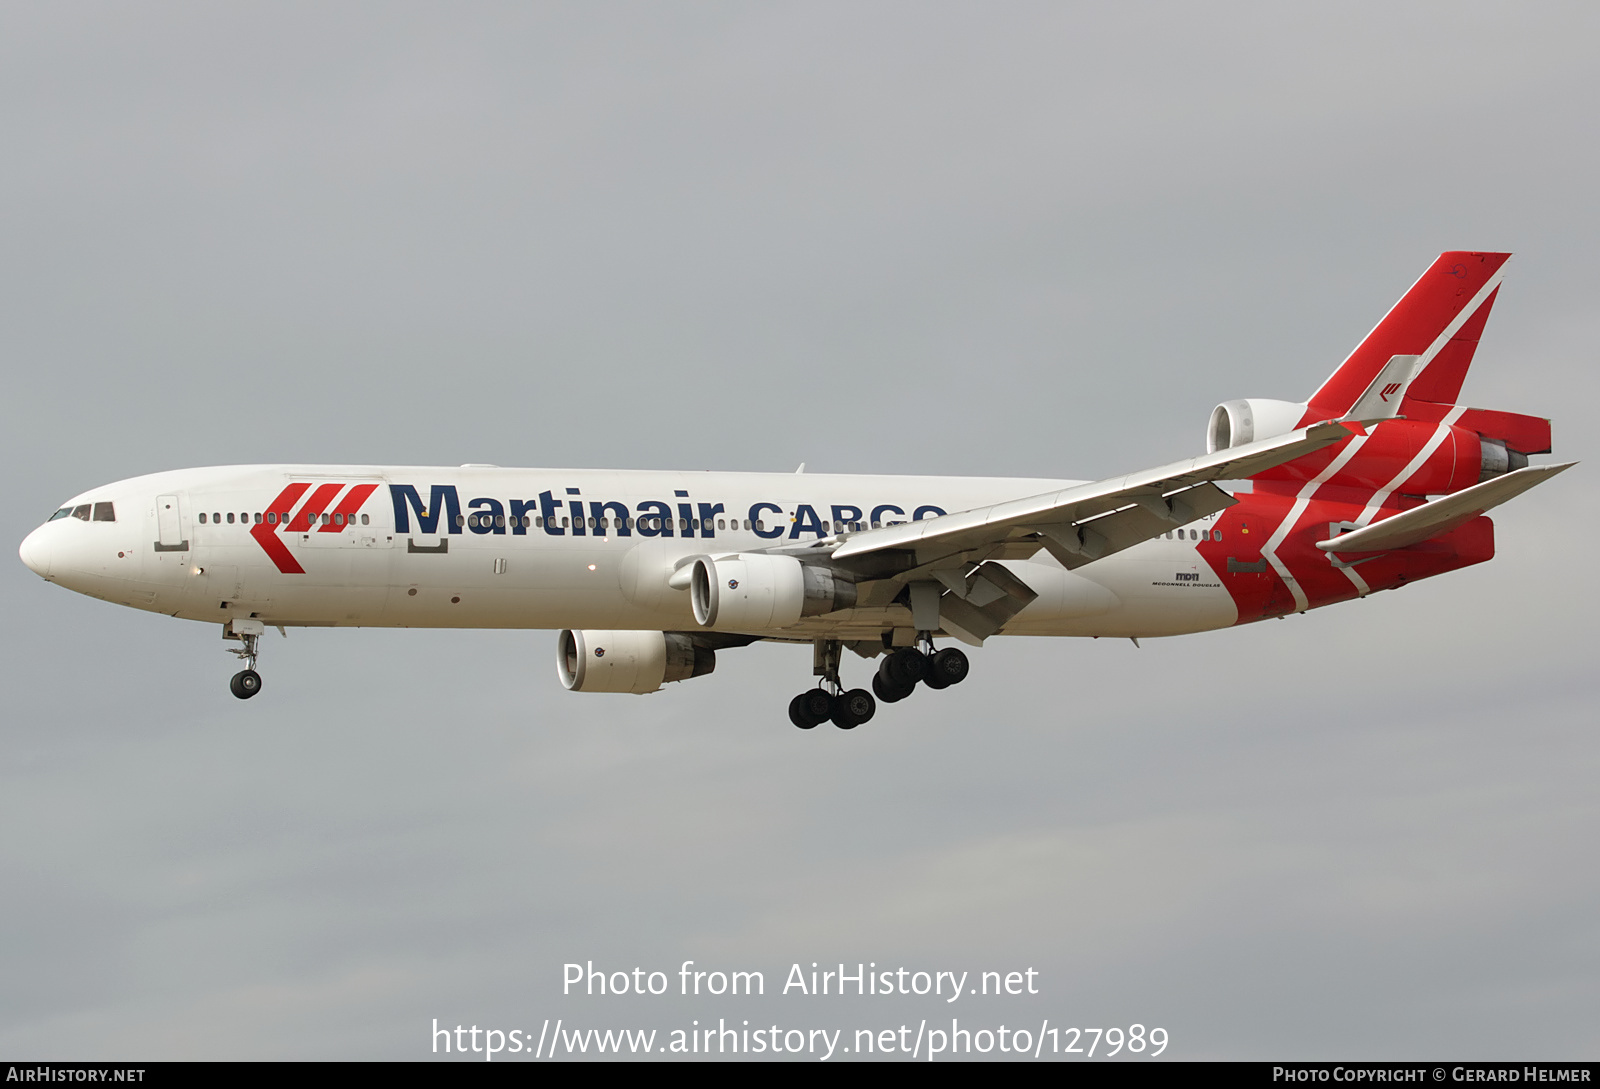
[(1083, 523), (1441, 515)]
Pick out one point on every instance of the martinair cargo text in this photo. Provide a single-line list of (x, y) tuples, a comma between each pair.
[(1378, 479)]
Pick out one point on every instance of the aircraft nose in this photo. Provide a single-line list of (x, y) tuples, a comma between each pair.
[(35, 553)]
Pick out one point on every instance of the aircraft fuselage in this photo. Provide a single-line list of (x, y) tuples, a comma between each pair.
[(533, 548)]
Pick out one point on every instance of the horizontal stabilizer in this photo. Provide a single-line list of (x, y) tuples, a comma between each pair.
[(1441, 515)]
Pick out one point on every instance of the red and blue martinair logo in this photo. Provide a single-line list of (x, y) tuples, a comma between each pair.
[(324, 512)]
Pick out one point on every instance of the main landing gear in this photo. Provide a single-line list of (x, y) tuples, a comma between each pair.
[(897, 677), (247, 682), (829, 700), (900, 673)]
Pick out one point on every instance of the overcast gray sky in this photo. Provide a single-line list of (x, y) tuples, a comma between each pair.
[(1019, 239)]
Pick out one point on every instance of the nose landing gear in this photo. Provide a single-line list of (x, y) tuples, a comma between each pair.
[(247, 682)]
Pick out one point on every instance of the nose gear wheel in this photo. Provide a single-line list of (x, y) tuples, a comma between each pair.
[(247, 633), (245, 683)]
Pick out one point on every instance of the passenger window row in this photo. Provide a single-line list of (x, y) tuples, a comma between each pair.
[(106, 512), (537, 521), (273, 518), (103, 513)]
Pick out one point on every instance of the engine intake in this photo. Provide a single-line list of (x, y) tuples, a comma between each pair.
[(1234, 423), (755, 592), (628, 661)]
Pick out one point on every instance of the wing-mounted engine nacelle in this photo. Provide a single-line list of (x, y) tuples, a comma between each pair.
[(628, 661), (1234, 423), (756, 592)]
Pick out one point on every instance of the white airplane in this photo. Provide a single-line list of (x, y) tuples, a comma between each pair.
[(1379, 478)]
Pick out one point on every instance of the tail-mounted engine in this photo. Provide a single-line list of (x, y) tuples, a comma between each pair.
[(1477, 445), (1497, 459), (756, 592), (1234, 423), (628, 661)]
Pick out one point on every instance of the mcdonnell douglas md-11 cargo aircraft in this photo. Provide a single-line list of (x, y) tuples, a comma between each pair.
[(1379, 478)]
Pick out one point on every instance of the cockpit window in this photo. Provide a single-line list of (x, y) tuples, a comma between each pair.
[(81, 511), (62, 513), (105, 512)]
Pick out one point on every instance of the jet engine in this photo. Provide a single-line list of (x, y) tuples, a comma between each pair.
[(628, 661), (1497, 459), (1234, 423), (755, 592)]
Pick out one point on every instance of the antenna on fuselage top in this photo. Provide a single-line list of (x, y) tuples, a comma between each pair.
[(802, 468)]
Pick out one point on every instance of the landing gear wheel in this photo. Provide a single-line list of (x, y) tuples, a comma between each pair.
[(905, 667), (247, 633), (245, 683), (853, 708), (888, 691), (798, 716), (949, 666), (810, 708), (817, 703)]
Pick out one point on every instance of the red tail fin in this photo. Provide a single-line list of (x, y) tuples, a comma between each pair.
[(1440, 382), (1439, 320)]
